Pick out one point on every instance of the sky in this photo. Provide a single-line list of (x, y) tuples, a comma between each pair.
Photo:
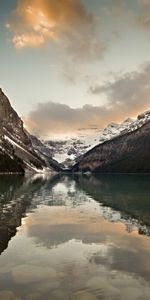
[(71, 64)]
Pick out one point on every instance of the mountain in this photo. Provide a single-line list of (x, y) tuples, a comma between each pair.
[(44, 152), (67, 151), (126, 153), (17, 153)]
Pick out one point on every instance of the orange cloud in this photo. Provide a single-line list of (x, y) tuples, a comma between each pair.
[(32, 24), (37, 22)]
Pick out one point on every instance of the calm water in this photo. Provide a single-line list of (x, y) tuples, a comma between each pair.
[(75, 238)]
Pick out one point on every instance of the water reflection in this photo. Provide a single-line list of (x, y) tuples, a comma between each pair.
[(16, 195), (76, 238), (128, 194)]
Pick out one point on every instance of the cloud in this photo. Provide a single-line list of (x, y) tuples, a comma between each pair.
[(50, 118), (66, 23), (144, 2), (143, 18), (127, 95), (137, 12)]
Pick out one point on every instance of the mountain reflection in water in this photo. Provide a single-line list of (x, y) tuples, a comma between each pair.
[(75, 237)]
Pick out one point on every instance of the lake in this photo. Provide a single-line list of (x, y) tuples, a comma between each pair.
[(75, 237)]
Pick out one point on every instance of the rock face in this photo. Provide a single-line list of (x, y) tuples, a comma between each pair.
[(11, 122), (17, 152), (128, 153)]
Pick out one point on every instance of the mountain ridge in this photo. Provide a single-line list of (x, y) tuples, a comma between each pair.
[(127, 153), (68, 152)]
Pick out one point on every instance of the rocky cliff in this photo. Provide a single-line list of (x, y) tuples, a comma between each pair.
[(17, 153)]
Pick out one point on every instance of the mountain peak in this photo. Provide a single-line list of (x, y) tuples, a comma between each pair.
[(3, 98), (144, 115)]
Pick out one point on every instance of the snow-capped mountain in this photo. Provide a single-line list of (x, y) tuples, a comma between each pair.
[(125, 153), (68, 150)]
